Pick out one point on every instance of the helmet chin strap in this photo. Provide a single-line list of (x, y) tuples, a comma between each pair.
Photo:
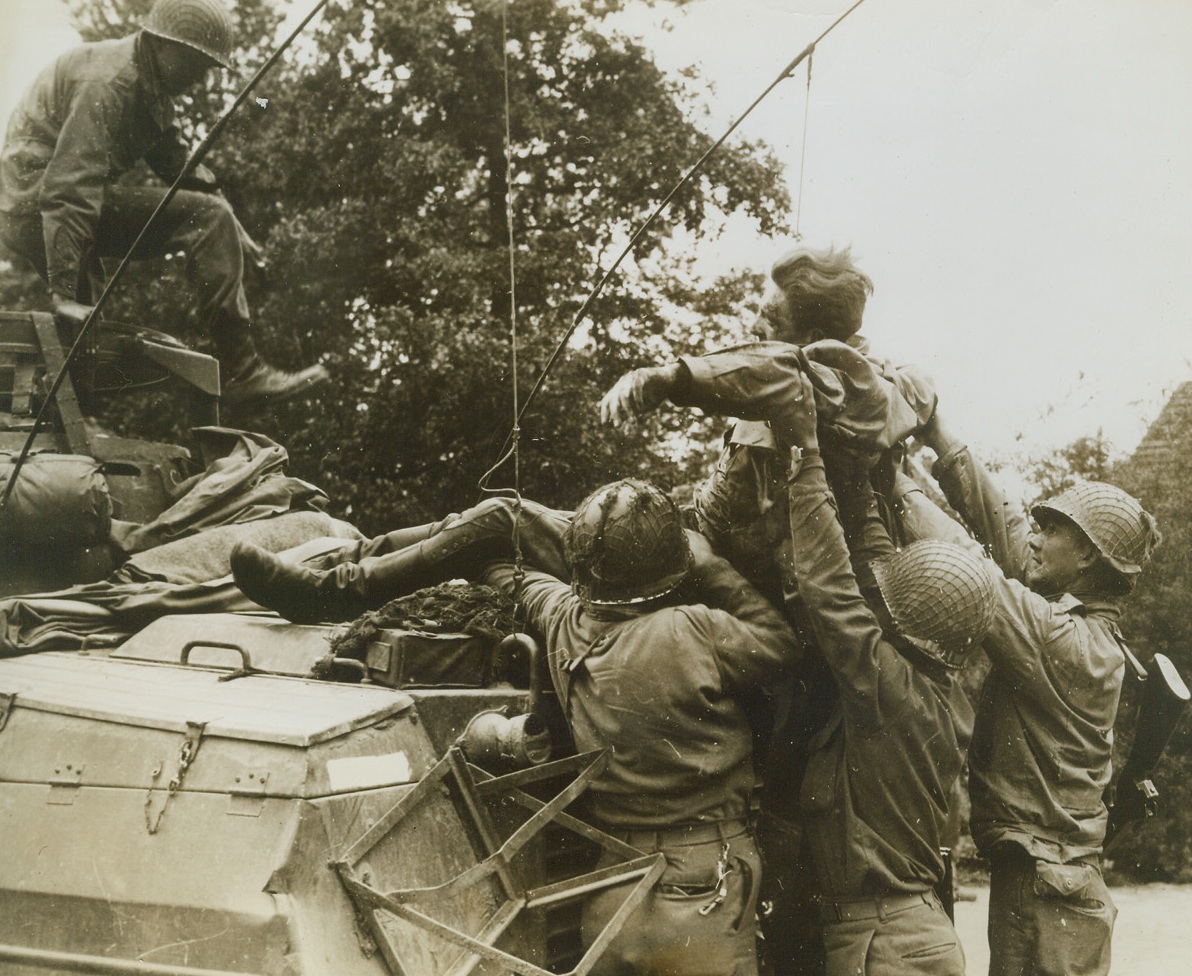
[(920, 651)]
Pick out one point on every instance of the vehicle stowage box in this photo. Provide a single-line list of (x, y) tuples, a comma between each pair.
[(179, 821)]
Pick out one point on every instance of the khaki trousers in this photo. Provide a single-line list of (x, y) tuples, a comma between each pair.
[(682, 928), (1047, 919), (902, 935)]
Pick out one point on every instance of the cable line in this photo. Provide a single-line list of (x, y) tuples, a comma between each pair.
[(515, 432), (699, 163), (803, 151)]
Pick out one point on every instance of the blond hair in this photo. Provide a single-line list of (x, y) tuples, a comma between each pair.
[(825, 293)]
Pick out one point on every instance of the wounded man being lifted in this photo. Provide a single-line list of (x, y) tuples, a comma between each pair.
[(91, 116)]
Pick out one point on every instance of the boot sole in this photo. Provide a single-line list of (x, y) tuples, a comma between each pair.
[(318, 376)]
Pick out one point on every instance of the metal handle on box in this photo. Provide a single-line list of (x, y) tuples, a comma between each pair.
[(245, 661)]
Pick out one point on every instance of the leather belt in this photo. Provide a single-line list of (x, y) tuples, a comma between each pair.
[(878, 907), (683, 836)]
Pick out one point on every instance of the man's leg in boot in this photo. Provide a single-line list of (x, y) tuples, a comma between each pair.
[(22, 236), (203, 226), (246, 378), (297, 592), (332, 586), (457, 547)]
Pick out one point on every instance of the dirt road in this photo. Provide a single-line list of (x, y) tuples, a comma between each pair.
[(1150, 936)]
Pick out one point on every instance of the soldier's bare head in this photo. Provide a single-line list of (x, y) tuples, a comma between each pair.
[(815, 294)]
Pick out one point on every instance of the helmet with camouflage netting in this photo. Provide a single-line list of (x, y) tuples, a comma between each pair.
[(626, 544), (1116, 523), (938, 593), (205, 25)]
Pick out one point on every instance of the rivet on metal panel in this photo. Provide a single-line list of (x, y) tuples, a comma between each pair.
[(64, 786), (73, 776), (250, 784)]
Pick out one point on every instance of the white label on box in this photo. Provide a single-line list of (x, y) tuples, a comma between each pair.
[(363, 772)]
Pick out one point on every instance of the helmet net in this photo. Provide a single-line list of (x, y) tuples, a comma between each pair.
[(626, 544), (1115, 522), (940, 592), (205, 25)]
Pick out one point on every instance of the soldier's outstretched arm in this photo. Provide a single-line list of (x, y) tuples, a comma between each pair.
[(998, 523)]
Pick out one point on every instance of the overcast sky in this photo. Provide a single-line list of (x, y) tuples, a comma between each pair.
[(1015, 175)]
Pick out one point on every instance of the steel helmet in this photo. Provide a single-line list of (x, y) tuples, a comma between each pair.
[(626, 544), (1124, 533), (205, 25), (941, 593)]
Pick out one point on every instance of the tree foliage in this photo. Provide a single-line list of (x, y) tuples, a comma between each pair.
[(1087, 458), (372, 165), (1157, 621)]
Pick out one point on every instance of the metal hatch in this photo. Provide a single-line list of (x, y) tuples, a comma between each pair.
[(139, 726), (260, 707), (271, 643)]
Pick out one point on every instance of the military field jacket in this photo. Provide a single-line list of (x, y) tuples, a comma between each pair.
[(88, 118), (865, 405), (1041, 750), (661, 690), (876, 793)]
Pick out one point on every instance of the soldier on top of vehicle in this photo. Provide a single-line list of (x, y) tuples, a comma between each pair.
[(92, 115)]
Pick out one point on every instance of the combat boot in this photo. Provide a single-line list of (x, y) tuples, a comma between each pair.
[(247, 379), (300, 594), (258, 381)]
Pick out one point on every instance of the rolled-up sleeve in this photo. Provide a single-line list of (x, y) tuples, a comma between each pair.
[(854, 399), (754, 381)]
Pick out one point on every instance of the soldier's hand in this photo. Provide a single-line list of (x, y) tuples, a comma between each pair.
[(636, 393), (701, 553), (67, 308), (936, 436), (794, 419)]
